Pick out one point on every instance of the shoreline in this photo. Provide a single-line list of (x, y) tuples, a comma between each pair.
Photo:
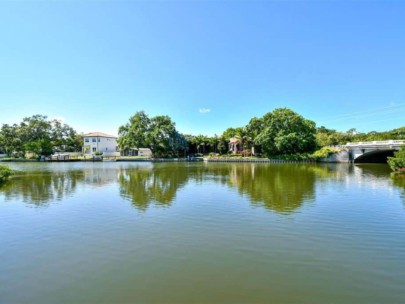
[(159, 160)]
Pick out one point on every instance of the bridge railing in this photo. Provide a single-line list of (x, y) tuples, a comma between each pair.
[(376, 142)]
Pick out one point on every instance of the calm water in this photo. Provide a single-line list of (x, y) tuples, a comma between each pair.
[(202, 233)]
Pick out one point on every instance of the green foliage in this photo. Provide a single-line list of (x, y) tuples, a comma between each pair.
[(397, 163), (328, 137), (157, 133), (295, 157), (10, 140), (5, 173), (286, 132), (98, 153), (41, 146), (325, 152), (38, 135)]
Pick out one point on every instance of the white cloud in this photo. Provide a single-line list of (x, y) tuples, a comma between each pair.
[(204, 110)]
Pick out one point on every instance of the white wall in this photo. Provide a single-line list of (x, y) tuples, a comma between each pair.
[(99, 144), (145, 152)]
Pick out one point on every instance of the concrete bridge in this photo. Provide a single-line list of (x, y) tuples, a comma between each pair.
[(372, 151)]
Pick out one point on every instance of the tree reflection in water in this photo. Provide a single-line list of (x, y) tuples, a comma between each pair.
[(281, 188), (42, 187), (399, 181), (156, 185)]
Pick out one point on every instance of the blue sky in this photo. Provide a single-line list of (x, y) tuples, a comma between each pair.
[(208, 65)]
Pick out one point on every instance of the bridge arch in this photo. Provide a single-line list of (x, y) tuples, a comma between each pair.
[(376, 156)]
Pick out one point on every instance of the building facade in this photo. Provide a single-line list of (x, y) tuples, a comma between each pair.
[(100, 142), (145, 152)]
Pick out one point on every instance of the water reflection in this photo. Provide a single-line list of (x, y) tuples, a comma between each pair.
[(145, 186), (39, 188), (43, 187), (281, 188), (399, 181)]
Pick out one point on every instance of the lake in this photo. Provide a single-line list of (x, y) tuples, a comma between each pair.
[(116, 232)]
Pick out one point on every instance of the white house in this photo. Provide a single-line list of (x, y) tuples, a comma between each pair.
[(100, 142)]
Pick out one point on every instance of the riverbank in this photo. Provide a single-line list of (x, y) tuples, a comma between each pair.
[(159, 160), (253, 160)]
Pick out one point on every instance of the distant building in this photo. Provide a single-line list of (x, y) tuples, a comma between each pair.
[(100, 142), (235, 145), (146, 152)]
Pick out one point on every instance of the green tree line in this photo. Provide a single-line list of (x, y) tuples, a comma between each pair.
[(38, 135), (280, 132)]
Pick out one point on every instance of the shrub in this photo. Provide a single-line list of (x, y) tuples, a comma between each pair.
[(397, 163), (325, 152), (98, 153), (5, 173), (295, 157)]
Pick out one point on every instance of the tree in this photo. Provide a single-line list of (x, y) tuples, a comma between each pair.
[(252, 130), (65, 138), (157, 133), (286, 132), (10, 140), (35, 128), (38, 135), (223, 144)]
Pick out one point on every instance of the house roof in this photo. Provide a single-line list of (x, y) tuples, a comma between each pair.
[(235, 140), (98, 134)]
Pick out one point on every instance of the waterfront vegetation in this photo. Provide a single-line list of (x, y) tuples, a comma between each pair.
[(37, 135), (280, 134), (5, 173), (325, 152), (397, 163), (157, 133)]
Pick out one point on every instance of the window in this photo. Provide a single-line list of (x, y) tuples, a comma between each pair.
[(98, 139), (93, 140), (94, 149), (86, 140)]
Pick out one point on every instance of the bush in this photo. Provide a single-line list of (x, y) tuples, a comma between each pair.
[(5, 173), (295, 157), (234, 155), (98, 153), (397, 163), (325, 152)]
